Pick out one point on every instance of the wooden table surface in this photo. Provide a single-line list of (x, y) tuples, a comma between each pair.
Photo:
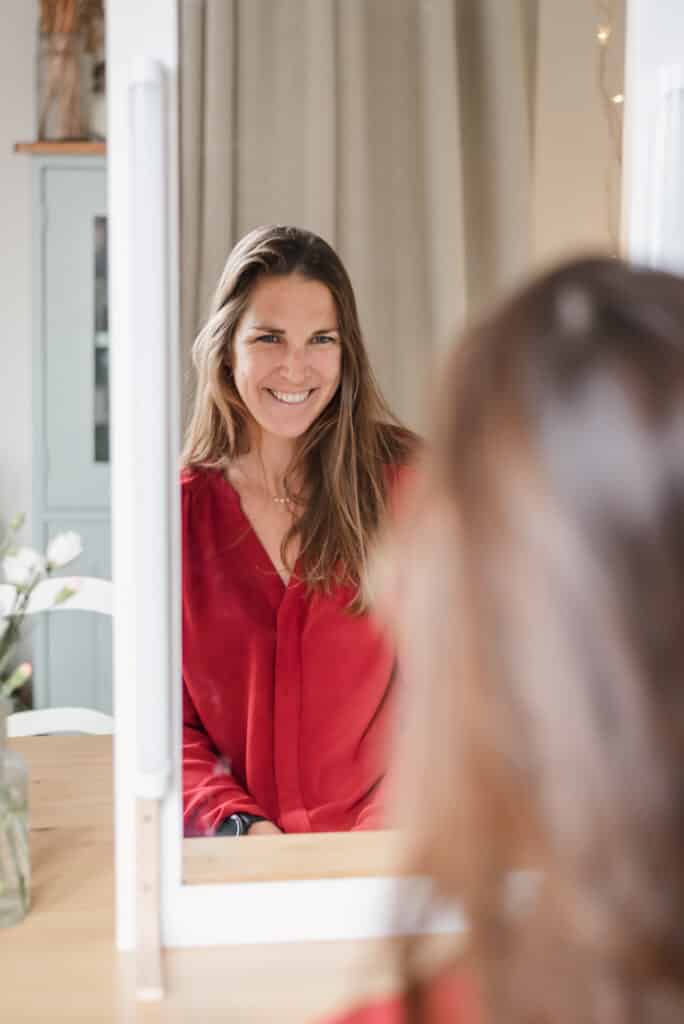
[(60, 963)]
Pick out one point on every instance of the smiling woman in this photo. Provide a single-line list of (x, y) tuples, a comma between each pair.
[(291, 459)]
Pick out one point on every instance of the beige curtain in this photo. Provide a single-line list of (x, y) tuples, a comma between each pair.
[(399, 130)]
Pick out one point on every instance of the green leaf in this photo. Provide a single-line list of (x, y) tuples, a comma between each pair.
[(21, 675), (13, 528), (64, 594), (8, 641)]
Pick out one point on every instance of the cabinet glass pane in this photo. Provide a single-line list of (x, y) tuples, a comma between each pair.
[(101, 367)]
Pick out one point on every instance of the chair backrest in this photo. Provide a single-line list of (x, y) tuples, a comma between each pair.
[(92, 595), (44, 721)]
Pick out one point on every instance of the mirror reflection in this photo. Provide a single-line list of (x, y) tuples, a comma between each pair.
[(291, 459), (427, 155)]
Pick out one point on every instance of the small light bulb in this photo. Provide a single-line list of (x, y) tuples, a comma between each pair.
[(618, 98), (603, 34)]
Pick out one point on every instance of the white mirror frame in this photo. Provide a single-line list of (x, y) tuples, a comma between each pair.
[(145, 512), (142, 39)]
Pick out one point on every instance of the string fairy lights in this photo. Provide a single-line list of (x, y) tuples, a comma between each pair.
[(612, 100)]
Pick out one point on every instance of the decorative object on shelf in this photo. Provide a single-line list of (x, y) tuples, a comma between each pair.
[(95, 114), (15, 862), (59, 71), (24, 568), (98, 103), (71, 42)]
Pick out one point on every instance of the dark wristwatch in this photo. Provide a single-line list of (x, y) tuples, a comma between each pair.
[(238, 824)]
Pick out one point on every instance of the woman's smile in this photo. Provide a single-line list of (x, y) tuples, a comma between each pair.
[(291, 397)]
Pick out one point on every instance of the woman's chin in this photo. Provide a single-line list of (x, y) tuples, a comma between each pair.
[(285, 431), (290, 423)]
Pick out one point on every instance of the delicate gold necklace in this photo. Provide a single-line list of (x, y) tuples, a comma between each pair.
[(274, 497)]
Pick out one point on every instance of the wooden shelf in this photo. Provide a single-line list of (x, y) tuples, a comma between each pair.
[(76, 148)]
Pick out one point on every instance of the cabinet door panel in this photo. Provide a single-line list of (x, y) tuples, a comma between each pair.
[(77, 668), (74, 202)]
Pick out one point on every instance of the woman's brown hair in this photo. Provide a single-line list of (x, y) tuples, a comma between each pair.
[(540, 619), (345, 457)]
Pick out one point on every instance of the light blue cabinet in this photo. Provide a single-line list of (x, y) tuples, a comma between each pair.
[(71, 483)]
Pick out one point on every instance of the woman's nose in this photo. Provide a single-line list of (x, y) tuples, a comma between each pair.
[(296, 362)]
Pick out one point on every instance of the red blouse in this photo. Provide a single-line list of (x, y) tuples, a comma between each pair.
[(285, 695), (451, 998)]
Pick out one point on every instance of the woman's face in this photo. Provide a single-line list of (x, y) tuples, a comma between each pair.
[(287, 355)]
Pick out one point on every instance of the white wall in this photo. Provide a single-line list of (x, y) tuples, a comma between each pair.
[(655, 41), (18, 21)]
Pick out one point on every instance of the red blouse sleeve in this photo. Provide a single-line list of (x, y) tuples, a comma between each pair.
[(400, 481), (210, 793), (372, 814)]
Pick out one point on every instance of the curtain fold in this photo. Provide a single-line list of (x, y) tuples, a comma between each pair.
[(399, 130), (444, 156), (208, 142)]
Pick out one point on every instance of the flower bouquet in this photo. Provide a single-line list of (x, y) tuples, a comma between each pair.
[(24, 568)]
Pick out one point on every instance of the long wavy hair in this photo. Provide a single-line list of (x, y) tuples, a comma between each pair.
[(537, 592), (344, 461)]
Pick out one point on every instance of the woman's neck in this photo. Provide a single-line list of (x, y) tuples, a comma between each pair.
[(268, 460)]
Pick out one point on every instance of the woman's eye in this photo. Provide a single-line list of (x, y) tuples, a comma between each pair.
[(269, 338), (322, 339)]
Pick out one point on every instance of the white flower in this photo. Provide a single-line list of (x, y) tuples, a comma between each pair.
[(8, 597), (63, 548), (23, 566)]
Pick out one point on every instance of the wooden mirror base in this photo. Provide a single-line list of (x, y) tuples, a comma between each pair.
[(294, 856)]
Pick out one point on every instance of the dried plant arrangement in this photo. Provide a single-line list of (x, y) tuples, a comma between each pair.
[(67, 28), (91, 20), (57, 16)]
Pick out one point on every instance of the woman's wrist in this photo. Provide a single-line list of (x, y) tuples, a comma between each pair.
[(238, 824), (264, 828)]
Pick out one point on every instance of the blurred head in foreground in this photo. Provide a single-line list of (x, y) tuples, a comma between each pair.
[(540, 621)]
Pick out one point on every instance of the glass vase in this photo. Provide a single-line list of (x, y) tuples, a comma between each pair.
[(60, 113), (15, 864)]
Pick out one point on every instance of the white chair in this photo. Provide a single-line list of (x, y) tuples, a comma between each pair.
[(44, 721), (93, 595)]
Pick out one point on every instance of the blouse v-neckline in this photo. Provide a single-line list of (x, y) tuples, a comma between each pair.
[(260, 546)]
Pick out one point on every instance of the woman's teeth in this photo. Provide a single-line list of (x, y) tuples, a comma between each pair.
[(290, 397)]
